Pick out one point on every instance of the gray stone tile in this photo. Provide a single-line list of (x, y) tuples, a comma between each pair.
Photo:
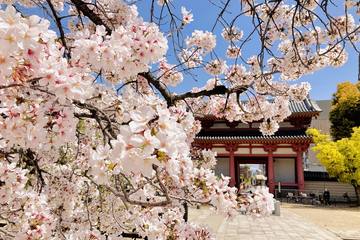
[(288, 226)]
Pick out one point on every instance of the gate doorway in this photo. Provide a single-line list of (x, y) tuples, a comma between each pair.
[(247, 167)]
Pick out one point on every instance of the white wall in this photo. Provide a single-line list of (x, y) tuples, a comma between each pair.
[(258, 151), (284, 169), (222, 166), (219, 150), (287, 150)]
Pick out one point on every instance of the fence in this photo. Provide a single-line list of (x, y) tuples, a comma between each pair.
[(311, 196)]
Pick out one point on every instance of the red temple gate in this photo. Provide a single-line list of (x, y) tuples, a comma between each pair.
[(240, 143)]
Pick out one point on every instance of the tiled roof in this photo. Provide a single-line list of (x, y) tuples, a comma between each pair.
[(307, 105), (254, 139)]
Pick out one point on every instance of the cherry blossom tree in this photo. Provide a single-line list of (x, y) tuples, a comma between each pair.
[(94, 145)]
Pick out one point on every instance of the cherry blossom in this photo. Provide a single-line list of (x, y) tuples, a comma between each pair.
[(187, 16), (169, 75), (205, 41), (216, 67), (94, 144), (232, 34), (233, 52)]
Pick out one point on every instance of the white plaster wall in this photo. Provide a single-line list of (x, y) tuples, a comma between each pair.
[(219, 150), (284, 169), (285, 151), (258, 151), (222, 166), (242, 125), (285, 124), (219, 125), (243, 151)]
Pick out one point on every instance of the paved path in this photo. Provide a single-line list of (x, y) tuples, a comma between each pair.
[(349, 234), (288, 226), (342, 220)]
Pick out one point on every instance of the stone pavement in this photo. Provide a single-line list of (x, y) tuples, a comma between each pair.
[(288, 226), (349, 234)]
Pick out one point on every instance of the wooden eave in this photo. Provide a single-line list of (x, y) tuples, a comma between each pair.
[(254, 139)]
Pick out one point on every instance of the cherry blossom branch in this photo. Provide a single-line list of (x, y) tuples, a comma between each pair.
[(60, 27), (192, 201), (159, 86), (11, 86), (82, 7), (30, 81), (87, 205), (29, 157), (170, 99), (162, 186), (94, 113), (217, 90)]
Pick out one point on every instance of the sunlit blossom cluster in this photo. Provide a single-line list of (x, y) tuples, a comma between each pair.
[(232, 34), (205, 41), (216, 67), (191, 58), (94, 144), (204, 158), (233, 52), (32, 63), (271, 112), (128, 51), (169, 74), (259, 201), (315, 49), (236, 75), (187, 16)]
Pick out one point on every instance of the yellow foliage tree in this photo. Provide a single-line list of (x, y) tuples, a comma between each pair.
[(345, 110), (341, 158)]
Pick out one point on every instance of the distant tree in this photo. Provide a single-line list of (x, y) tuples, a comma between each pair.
[(345, 111), (341, 158)]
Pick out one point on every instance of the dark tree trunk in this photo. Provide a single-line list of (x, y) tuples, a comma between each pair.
[(186, 213), (357, 193)]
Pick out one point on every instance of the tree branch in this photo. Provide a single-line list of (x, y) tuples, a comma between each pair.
[(82, 7), (60, 27)]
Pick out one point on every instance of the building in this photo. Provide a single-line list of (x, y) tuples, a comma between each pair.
[(316, 177), (284, 158), (241, 146)]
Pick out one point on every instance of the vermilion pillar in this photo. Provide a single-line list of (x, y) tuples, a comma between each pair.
[(300, 171), (231, 149), (270, 167), (270, 170), (232, 168), (299, 149)]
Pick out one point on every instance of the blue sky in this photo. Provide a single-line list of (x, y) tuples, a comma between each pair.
[(323, 82)]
